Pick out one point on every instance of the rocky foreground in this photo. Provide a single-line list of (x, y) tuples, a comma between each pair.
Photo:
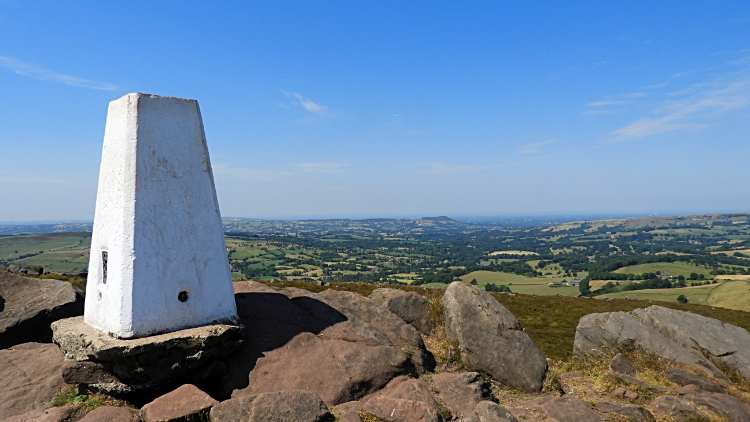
[(393, 356)]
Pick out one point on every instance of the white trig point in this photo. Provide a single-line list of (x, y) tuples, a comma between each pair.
[(158, 257)]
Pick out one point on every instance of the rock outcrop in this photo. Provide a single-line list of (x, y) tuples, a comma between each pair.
[(30, 376), (185, 403), (306, 343), (411, 307), (491, 338), (687, 339), (462, 392), (29, 305), (112, 414), (404, 400)]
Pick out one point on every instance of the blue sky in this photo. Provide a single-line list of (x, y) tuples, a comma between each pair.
[(362, 109)]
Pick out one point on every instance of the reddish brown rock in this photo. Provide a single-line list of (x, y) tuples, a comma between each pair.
[(404, 400), (461, 392), (278, 406), (487, 411), (178, 405), (53, 414), (30, 375), (409, 306), (631, 411), (111, 414), (674, 407), (565, 409)]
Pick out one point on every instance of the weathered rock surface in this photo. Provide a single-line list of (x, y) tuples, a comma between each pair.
[(345, 357), (53, 414), (622, 365), (724, 405), (29, 305), (111, 414), (698, 334), (631, 411), (461, 392), (677, 408), (678, 376), (565, 409), (30, 375), (278, 406), (682, 337), (347, 412), (411, 307), (491, 338), (404, 400), (184, 403), (143, 363), (487, 411)]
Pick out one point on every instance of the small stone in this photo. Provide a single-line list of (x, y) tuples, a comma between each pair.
[(178, 405), (678, 376), (633, 412), (618, 392), (571, 375), (631, 395), (622, 365)]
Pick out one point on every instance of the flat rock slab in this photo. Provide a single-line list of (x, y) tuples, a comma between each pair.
[(461, 392), (404, 399), (111, 414), (185, 403), (53, 414), (29, 305), (631, 411), (565, 409), (30, 376), (678, 376), (278, 406), (143, 363)]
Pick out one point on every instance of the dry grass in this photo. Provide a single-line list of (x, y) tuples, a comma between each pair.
[(369, 417), (87, 400)]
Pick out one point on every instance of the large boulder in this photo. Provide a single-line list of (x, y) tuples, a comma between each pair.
[(54, 414), (278, 406), (491, 339), (29, 305), (411, 307), (306, 344), (30, 376), (726, 406), (111, 414), (682, 337)]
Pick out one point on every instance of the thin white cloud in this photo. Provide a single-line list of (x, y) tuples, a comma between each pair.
[(633, 95), (307, 104), (248, 174), (663, 84), (690, 112), (323, 167), (438, 168), (605, 103), (532, 148), (36, 72)]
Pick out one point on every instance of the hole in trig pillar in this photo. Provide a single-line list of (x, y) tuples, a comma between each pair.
[(182, 296), (104, 267)]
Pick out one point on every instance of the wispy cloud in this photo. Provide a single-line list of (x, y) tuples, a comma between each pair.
[(439, 168), (663, 84), (605, 103), (702, 101), (249, 174), (36, 72), (307, 104), (532, 148), (323, 167)]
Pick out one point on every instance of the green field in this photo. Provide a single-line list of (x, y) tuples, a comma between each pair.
[(696, 294), (731, 295), (60, 252), (666, 268), (524, 285)]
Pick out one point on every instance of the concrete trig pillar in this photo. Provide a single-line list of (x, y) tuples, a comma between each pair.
[(158, 256)]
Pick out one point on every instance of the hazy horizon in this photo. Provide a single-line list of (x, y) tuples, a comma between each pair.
[(321, 109)]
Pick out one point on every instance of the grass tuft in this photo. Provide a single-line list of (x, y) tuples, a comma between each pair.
[(88, 401)]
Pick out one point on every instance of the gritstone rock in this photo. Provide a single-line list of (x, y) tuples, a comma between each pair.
[(30, 376), (411, 307), (461, 392), (631, 411), (622, 365), (491, 338), (29, 305), (278, 406), (53, 414), (404, 400), (565, 409), (185, 403), (111, 414), (677, 408)]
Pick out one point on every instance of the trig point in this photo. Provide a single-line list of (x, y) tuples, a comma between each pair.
[(158, 257)]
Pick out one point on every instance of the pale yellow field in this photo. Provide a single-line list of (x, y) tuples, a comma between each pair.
[(697, 294), (745, 252), (731, 295)]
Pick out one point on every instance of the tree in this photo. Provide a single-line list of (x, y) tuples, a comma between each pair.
[(681, 277), (473, 282), (682, 299)]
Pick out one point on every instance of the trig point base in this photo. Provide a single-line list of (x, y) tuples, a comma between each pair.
[(158, 257)]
